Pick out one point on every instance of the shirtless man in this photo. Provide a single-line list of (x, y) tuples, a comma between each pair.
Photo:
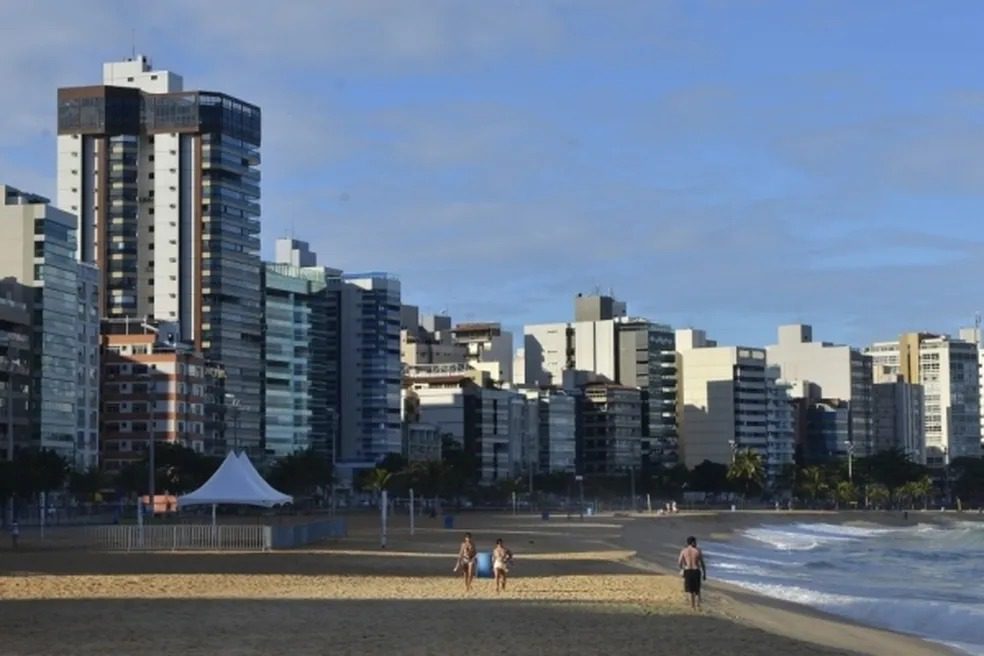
[(501, 556), (691, 563), (466, 560)]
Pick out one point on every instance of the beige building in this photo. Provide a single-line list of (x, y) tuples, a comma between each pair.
[(722, 401), (840, 373), (487, 347), (948, 370)]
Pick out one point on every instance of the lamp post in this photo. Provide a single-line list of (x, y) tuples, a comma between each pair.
[(10, 428), (151, 437), (850, 462)]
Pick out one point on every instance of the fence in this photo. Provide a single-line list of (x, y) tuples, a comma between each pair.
[(285, 537), (181, 537)]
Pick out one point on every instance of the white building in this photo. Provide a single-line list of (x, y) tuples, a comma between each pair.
[(487, 347), (975, 336), (949, 372), (722, 399), (781, 427), (165, 183), (840, 372)]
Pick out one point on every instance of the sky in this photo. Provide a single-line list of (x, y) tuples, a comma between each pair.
[(730, 166)]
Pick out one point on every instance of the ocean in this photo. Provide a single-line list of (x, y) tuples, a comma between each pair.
[(926, 579)]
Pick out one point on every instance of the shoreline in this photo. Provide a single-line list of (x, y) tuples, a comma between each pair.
[(657, 541)]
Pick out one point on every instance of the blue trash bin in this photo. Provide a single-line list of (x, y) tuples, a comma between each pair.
[(449, 521), (483, 565)]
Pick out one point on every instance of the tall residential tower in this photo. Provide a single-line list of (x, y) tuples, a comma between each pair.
[(166, 187)]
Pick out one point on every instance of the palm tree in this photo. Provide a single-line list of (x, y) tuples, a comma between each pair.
[(845, 493), (814, 484), (747, 470), (377, 480), (878, 495), (922, 489)]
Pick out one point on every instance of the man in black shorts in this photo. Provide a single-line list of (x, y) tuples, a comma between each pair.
[(691, 563)]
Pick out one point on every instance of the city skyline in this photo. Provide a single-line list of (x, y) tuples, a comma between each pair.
[(484, 149)]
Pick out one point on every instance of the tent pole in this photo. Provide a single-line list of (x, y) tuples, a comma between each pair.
[(213, 515)]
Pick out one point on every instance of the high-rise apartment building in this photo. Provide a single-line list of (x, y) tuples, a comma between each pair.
[(40, 254), (166, 187), (948, 370), (87, 401), (840, 373), (555, 430), (300, 352), (611, 429), (897, 416), (976, 336), (370, 372), (722, 399), (16, 337), (604, 344)]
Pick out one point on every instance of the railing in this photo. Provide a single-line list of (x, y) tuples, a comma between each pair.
[(181, 538)]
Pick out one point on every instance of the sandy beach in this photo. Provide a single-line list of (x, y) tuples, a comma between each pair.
[(578, 587)]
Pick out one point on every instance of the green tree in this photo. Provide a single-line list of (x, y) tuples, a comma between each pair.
[(710, 477), (747, 471), (304, 473), (813, 483), (922, 489), (878, 495), (845, 493), (967, 479), (86, 485), (377, 480)]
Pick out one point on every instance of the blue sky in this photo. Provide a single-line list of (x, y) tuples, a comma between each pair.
[(724, 165)]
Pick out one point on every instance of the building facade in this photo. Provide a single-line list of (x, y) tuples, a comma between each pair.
[(165, 183), (949, 372), (722, 399), (16, 338), (487, 347), (370, 371), (839, 372), (555, 430), (41, 255), (89, 349), (898, 420), (154, 388), (612, 424)]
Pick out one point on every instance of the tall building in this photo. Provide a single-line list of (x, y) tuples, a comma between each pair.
[(841, 373), (780, 425), (976, 336), (604, 344), (166, 187), (948, 370), (897, 417), (301, 332), (612, 426), (87, 402), (154, 388), (489, 424), (16, 337), (41, 255), (555, 430), (370, 372), (722, 399)]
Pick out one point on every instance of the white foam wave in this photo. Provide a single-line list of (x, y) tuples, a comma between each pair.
[(791, 539), (945, 622)]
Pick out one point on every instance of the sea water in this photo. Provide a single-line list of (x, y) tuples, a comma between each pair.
[(925, 580)]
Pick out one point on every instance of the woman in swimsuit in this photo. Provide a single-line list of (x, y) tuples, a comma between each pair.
[(466, 560), (500, 564)]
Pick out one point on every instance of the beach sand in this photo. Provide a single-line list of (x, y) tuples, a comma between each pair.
[(576, 588)]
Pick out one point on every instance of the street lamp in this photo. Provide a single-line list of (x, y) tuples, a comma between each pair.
[(850, 462), (152, 437)]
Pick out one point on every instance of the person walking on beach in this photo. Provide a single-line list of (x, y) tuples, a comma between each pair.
[(691, 563), (466, 560), (501, 557)]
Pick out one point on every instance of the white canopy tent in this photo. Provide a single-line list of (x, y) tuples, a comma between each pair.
[(235, 482)]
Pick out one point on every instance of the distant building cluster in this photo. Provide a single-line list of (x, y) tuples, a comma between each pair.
[(140, 310)]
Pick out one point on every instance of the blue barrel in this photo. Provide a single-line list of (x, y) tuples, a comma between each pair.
[(545, 515), (449, 521), (483, 565)]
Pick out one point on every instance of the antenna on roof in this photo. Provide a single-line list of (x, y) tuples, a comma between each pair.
[(133, 43)]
